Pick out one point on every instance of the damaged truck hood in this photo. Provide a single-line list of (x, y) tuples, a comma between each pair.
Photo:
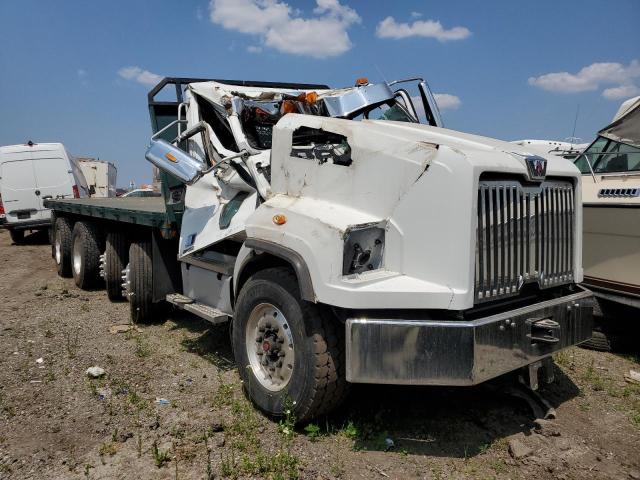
[(484, 153)]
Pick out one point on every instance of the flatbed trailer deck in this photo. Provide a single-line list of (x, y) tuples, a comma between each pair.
[(145, 211)]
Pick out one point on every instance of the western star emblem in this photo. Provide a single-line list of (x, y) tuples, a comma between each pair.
[(537, 167)]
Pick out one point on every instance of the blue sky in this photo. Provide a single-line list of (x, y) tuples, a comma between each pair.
[(78, 71)]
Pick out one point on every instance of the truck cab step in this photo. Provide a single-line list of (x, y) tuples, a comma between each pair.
[(210, 314)]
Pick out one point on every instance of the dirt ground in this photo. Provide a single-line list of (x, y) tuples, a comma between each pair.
[(171, 405)]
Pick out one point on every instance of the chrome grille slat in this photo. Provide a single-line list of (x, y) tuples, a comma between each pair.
[(525, 234)]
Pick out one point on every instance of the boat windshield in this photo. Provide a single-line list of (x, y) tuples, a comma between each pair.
[(609, 156)]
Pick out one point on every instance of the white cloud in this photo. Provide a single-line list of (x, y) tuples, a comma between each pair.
[(137, 74), (82, 73), (591, 78), (282, 28), (446, 101), (416, 14), (389, 28), (621, 92), (254, 49)]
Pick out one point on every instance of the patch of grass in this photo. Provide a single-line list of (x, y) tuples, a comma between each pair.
[(499, 466), (247, 457), (160, 457)]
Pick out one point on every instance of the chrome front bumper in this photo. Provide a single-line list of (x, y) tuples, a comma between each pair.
[(434, 352)]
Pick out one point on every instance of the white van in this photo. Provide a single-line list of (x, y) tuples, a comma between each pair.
[(30, 174)]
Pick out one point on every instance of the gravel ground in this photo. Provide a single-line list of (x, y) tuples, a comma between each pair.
[(171, 406)]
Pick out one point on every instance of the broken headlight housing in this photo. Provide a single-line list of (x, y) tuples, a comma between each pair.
[(363, 249)]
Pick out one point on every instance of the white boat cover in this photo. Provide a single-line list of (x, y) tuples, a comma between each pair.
[(625, 127)]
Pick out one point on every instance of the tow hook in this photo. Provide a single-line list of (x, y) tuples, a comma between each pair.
[(544, 331)]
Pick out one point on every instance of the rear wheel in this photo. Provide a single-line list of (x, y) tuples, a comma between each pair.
[(62, 246), (115, 260), (289, 352), (17, 236), (138, 281), (87, 243)]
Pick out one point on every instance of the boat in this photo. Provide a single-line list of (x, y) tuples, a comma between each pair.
[(610, 168)]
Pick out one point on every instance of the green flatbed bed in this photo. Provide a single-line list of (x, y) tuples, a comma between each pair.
[(146, 211)]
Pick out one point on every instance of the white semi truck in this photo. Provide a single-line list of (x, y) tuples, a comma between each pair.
[(343, 241)]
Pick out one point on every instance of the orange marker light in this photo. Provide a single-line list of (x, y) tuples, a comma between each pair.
[(171, 158), (279, 219), (362, 81), (312, 97)]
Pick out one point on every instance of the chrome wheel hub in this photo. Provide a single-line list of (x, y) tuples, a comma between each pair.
[(270, 348), (102, 266), (58, 250), (126, 282), (77, 256)]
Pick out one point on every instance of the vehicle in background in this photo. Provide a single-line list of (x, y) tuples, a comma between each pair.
[(346, 241), (142, 192), (3, 217), (567, 150), (30, 174), (610, 169), (100, 176)]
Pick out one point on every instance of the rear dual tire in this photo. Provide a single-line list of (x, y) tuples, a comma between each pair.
[(62, 246), (116, 258), (139, 281), (87, 242)]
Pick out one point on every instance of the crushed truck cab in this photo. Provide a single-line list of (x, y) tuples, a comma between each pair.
[(349, 239)]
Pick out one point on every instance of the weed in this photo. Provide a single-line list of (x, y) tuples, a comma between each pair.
[(71, 342), (498, 466), (143, 349), (87, 468), (160, 457), (6, 407), (313, 431), (139, 445), (350, 430), (107, 448), (50, 377)]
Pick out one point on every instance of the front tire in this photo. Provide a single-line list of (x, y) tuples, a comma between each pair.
[(289, 352), (62, 246), (87, 243)]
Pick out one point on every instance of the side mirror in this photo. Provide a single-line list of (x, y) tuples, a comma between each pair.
[(174, 161)]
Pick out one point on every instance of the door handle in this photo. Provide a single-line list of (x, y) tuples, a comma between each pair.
[(46, 197), (38, 192)]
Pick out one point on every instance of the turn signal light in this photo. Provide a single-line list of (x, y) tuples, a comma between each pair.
[(279, 219), (76, 191), (311, 97), (171, 158)]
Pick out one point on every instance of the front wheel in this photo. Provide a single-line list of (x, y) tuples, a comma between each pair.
[(290, 353)]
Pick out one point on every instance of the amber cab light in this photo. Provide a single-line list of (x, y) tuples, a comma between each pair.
[(279, 219)]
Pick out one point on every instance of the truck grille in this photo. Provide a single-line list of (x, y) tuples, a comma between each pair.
[(525, 234)]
